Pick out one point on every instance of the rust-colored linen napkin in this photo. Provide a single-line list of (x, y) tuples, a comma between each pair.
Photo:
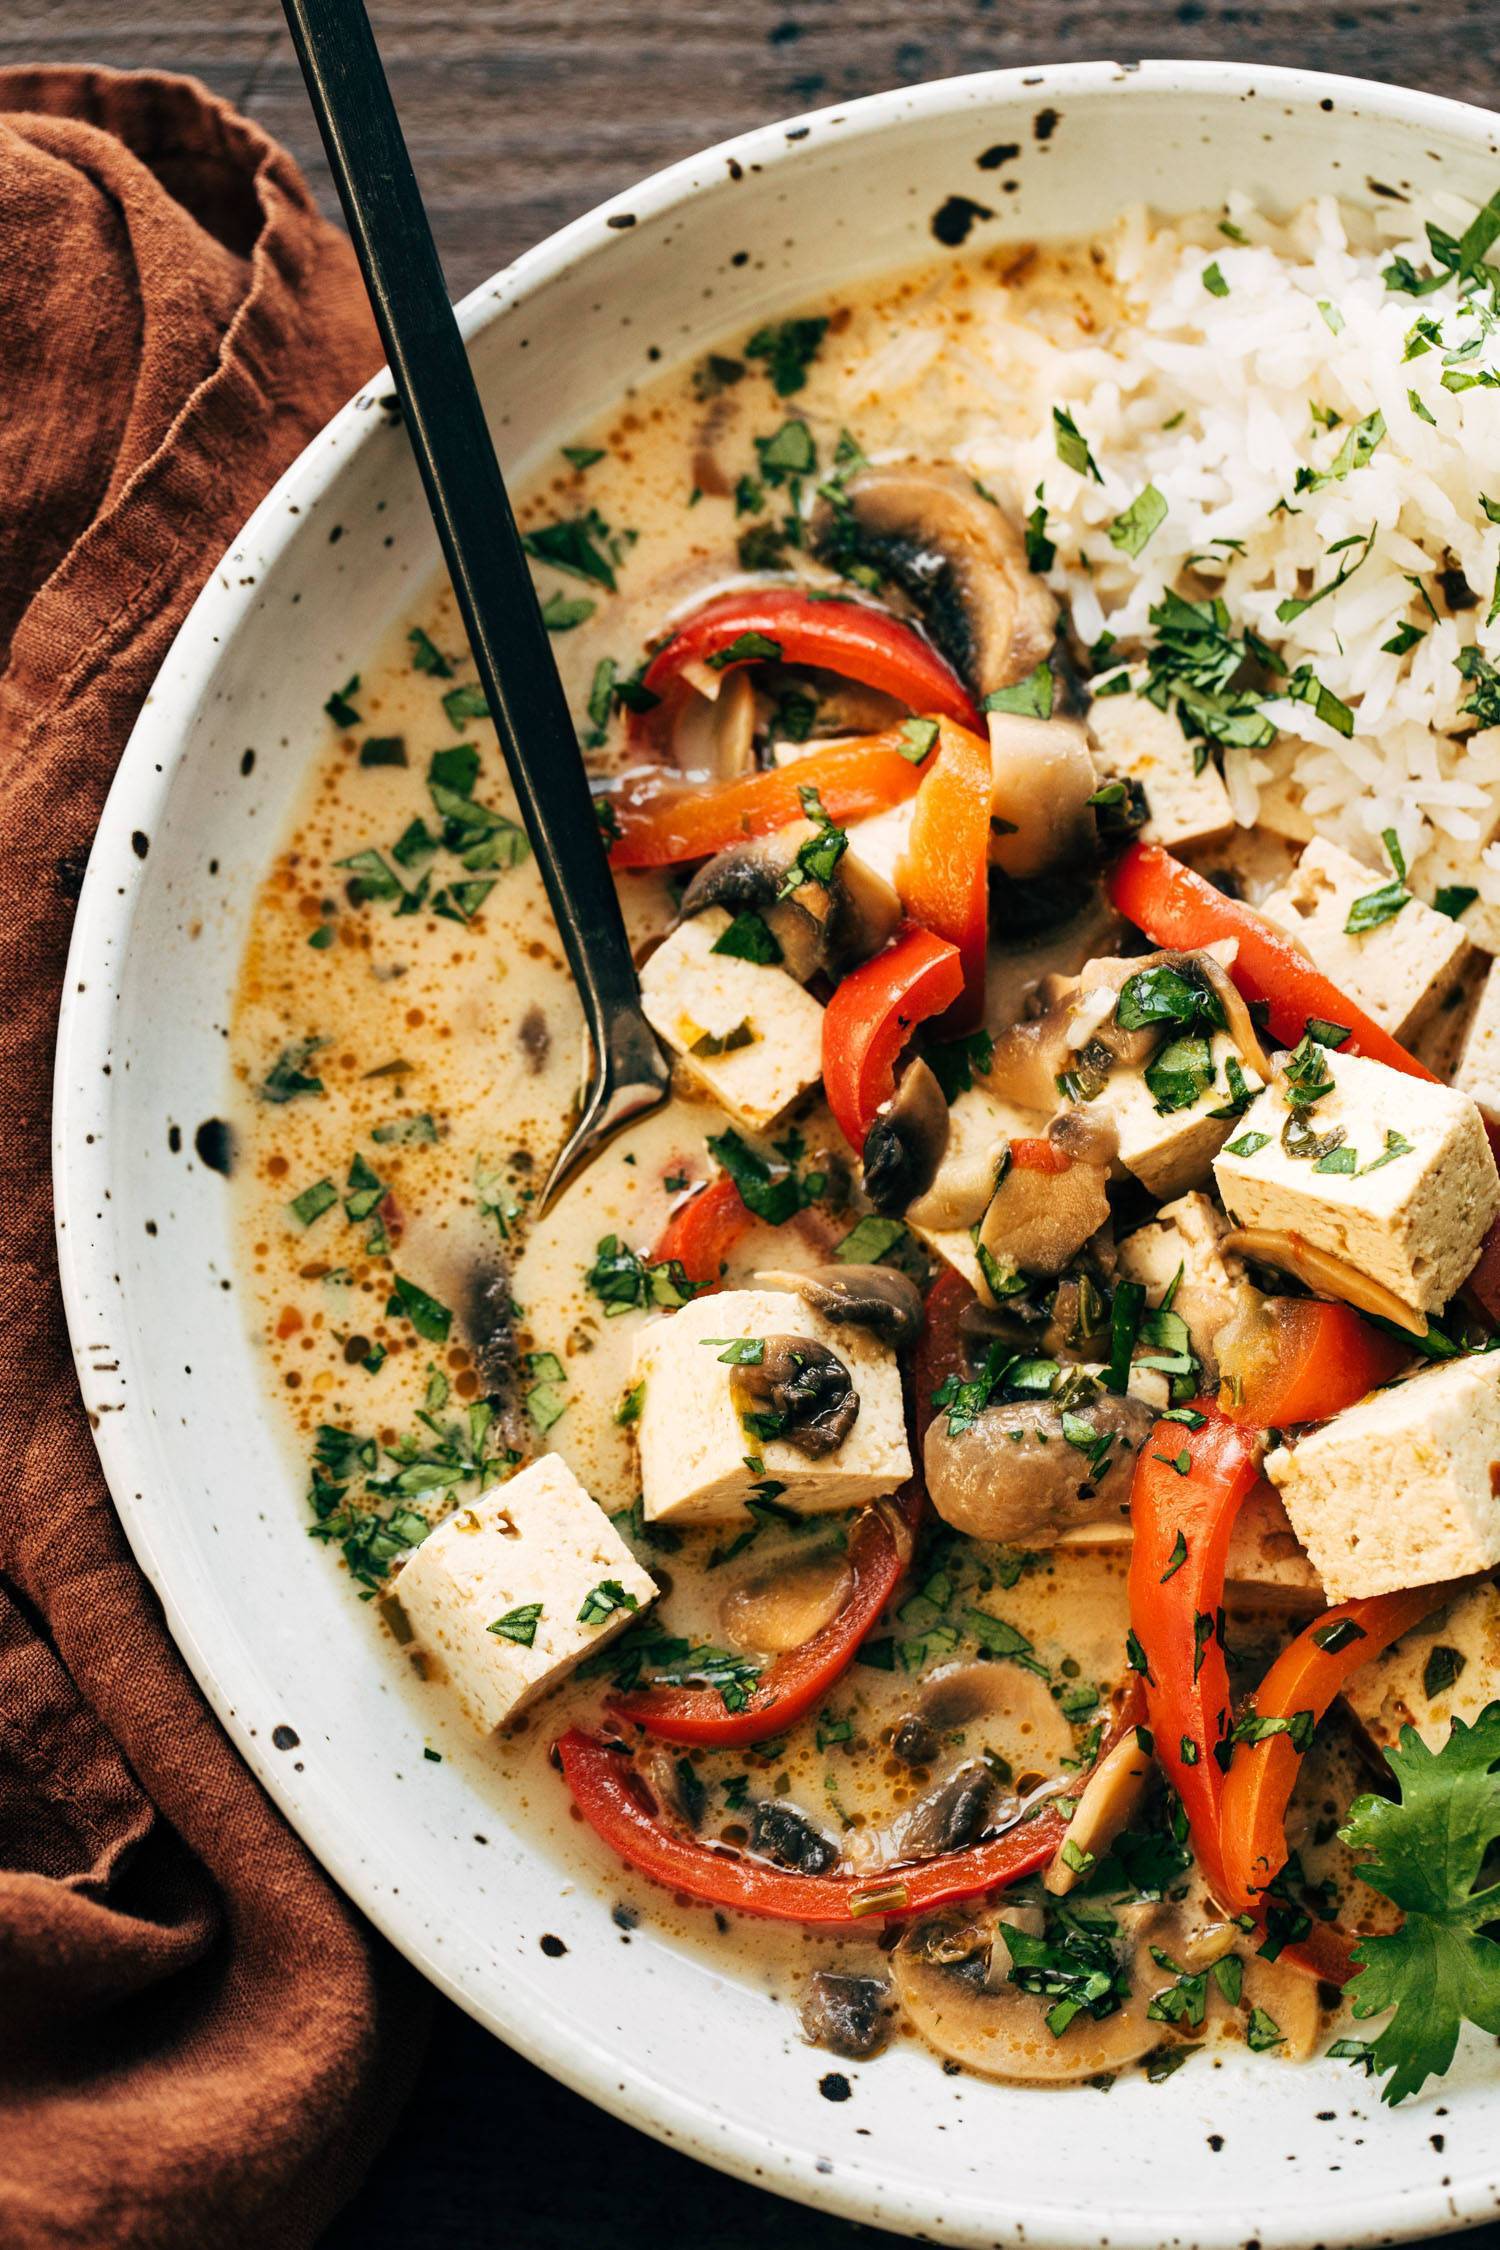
[(200, 2045)]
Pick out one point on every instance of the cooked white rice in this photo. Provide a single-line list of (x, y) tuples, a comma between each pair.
[(1211, 398)]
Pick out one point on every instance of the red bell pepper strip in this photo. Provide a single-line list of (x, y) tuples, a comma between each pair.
[(1038, 1155), (940, 1347), (657, 822), (855, 639), (1257, 1790), (795, 1683), (1178, 908), (703, 1231), (1188, 1488), (615, 1802), (1307, 1360), (944, 877), (873, 1014)]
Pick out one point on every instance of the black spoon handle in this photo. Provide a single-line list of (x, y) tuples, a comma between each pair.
[(466, 492)]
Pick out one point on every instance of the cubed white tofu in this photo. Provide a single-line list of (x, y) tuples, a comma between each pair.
[(1447, 1669), (1400, 971), (979, 1125), (747, 1030), (1186, 1238), (1449, 864), (1133, 741), (1478, 1071), (1171, 1151), (1413, 1213), (514, 1587), (696, 1455), (1404, 1488), (881, 842)]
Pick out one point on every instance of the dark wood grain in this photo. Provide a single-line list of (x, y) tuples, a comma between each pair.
[(520, 115)]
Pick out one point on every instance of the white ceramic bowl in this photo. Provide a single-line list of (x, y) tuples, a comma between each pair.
[(1225, 2152)]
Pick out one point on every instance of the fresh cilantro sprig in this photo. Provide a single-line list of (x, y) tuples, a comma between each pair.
[(1429, 1847)]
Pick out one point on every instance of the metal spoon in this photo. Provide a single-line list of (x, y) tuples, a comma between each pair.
[(626, 1071)]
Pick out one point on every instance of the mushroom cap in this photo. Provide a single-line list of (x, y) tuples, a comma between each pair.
[(1012, 1475), (906, 1144), (956, 556), (880, 1298)]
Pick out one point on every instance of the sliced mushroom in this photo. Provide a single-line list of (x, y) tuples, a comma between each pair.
[(1323, 1273), (818, 926), (797, 1393), (1044, 778), (1111, 1799), (848, 2015), (713, 733), (878, 1298), (954, 1814), (956, 556), (782, 1604), (906, 1143), (1012, 1474), (781, 1833), (1038, 1221), (999, 1708), (1290, 1999), (953, 1979)]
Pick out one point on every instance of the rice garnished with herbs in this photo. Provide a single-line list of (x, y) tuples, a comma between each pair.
[(1281, 475)]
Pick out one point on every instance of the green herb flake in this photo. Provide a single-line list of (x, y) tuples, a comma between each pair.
[(1030, 698), (1135, 525), (1072, 446), (518, 1625), (431, 1320), (313, 1202)]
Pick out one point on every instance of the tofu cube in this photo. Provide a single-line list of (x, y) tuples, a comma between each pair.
[(1404, 1488), (979, 1124), (1185, 1238), (1400, 971), (1413, 1213), (1449, 863), (1478, 1071), (695, 1452), (539, 1558), (1447, 1669), (881, 842), (1265, 1560), (1172, 1151), (1133, 741), (747, 1030)]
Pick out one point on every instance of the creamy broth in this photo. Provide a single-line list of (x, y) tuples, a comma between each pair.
[(406, 1052)]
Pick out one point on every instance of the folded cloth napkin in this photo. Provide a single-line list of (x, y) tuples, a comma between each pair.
[(200, 2044)]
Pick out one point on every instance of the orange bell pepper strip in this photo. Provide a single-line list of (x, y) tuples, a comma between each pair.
[(944, 878), (1305, 1361), (1262, 1775), (872, 1015), (1188, 1488), (656, 822)]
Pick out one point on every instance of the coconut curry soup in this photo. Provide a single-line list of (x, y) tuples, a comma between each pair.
[(985, 1503)]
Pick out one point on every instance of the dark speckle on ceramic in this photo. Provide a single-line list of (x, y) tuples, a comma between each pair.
[(620, 219), (140, 843), (553, 1947), (1045, 124), (1002, 152), (285, 1737), (952, 220), (834, 2086), (214, 1141)]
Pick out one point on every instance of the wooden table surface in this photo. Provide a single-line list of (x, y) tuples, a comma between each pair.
[(522, 113)]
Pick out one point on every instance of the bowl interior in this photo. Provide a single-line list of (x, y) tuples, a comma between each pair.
[(465, 1881)]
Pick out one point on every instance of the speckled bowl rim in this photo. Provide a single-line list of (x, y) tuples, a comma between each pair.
[(90, 1266)]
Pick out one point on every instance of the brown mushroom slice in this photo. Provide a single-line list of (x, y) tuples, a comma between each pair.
[(1044, 779), (963, 2003), (1290, 1998), (1039, 1221), (1014, 1477), (818, 926), (1322, 1273), (1111, 1798), (999, 1708), (713, 733), (907, 1142), (782, 1604), (796, 1392), (956, 556), (886, 1302)]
